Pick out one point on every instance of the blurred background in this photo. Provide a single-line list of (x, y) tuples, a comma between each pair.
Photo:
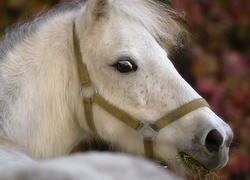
[(215, 61)]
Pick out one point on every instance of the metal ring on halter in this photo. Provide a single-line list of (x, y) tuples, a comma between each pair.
[(87, 86), (162, 164), (146, 131)]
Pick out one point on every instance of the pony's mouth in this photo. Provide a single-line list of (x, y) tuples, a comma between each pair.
[(196, 169), (193, 168), (190, 162)]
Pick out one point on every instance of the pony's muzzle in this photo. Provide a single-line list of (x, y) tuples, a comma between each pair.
[(217, 147)]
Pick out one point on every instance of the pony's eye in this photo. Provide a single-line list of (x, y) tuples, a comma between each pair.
[(125, 66)]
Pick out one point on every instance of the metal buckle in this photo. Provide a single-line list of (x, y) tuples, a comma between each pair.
[(91, 90), (162, 164), (146, 131)]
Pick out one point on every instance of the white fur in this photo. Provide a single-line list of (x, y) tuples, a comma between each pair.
[(40, 102), (90, 166)]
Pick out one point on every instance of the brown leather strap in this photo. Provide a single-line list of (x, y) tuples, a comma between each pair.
[(89, 114), (148, 148), (119, 114), (85, 81), (178, 113), (83, 72)]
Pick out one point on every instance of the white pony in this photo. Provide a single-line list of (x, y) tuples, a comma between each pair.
[(109, 54)]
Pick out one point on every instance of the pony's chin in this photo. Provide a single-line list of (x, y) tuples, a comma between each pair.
[(185, 165), (176, 166)]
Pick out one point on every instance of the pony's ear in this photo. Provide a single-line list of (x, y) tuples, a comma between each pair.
[(96, 9)]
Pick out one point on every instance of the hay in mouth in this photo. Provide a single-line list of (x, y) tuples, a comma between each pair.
[(196, 169)]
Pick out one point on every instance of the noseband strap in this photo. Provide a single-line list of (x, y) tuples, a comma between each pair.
[(147, 131)]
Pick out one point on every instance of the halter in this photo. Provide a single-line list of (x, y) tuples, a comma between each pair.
[(146, 131)]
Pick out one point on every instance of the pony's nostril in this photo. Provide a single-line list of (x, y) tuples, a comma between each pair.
[(213, 141)]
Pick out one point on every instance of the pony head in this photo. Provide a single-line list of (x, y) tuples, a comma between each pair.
[(121, 45)]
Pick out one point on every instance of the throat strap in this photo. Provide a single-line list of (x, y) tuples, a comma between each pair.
[(147, 131), (82, 69), (85, 81), (89, 114)]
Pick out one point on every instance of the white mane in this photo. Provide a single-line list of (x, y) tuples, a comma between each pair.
[(156, 18)]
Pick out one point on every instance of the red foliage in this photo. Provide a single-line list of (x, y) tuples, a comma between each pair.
[(219, 57)]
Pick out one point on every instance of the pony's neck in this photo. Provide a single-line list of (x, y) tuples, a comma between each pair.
[(49, 109)]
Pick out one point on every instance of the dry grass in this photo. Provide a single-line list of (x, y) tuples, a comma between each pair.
[(196, 169)]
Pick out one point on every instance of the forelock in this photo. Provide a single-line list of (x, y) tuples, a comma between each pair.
[(154, 16)]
